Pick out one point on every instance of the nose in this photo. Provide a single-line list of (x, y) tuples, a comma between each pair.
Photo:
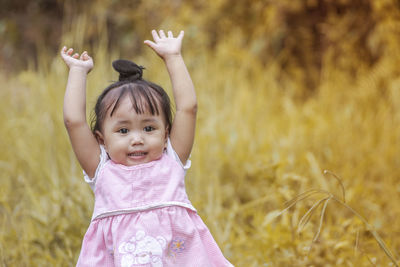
[(136, 139)]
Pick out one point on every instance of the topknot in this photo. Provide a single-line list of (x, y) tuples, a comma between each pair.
[(128, 70)]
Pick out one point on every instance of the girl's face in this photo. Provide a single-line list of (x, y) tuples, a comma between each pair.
[(130, 138)]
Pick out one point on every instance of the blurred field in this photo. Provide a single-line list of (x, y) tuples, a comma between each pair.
[(262, 139)]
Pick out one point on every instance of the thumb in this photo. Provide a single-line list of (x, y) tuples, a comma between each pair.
[(150, 44)]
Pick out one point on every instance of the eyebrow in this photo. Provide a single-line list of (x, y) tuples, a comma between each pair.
[(147, 120), (122, 121)]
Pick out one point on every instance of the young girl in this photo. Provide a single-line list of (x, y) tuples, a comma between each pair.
[(135, 159)]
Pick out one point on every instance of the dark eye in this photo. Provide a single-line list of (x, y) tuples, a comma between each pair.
[(148, 129), (123, 130)]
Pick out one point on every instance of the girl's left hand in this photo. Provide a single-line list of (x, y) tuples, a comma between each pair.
[(165, 46)]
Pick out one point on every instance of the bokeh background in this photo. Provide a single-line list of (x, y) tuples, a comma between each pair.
[(286, 90)]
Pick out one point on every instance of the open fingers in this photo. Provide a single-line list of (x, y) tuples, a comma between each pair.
[(156, 38), (70, 51), (181, 34), (162, 34), (63, 51), (84, 56)]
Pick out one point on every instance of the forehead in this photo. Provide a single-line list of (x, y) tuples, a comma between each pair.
[(126, 106), (143, 99), (125, 111)]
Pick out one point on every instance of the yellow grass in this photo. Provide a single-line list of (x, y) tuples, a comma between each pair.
[(257, 147)]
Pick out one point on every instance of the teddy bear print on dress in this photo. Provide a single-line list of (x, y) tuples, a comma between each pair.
[(142, 249)]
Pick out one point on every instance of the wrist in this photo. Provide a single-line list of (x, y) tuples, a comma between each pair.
[(79, 69), (172, 57)]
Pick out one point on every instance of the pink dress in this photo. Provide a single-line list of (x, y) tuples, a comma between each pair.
[(143, 217)]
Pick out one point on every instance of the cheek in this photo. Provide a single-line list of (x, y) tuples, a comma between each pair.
[(159, 143), (114, 144)]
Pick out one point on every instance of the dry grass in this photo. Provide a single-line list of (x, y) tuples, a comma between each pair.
[(256, 148)]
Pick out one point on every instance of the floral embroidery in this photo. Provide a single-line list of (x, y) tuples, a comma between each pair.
[(177, 245)]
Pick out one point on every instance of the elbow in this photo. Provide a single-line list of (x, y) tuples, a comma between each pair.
[(71, 123), (193, 108), (189, 108)]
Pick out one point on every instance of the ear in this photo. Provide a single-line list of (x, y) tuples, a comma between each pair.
[(166, 136), (99, 137)]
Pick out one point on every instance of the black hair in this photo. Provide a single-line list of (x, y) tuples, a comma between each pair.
[(145, 95)]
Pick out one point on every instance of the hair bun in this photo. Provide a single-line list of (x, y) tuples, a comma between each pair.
[(128, 70)]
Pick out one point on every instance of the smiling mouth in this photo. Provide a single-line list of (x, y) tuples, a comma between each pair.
[(137, 154)]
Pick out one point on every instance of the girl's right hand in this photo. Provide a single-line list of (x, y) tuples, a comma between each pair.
[(84, 61)]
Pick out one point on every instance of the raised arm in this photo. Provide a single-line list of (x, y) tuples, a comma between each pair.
[(183, 126), (82, 140)]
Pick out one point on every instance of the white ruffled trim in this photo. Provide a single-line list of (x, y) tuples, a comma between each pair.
[(103, 159), (171, 152)]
